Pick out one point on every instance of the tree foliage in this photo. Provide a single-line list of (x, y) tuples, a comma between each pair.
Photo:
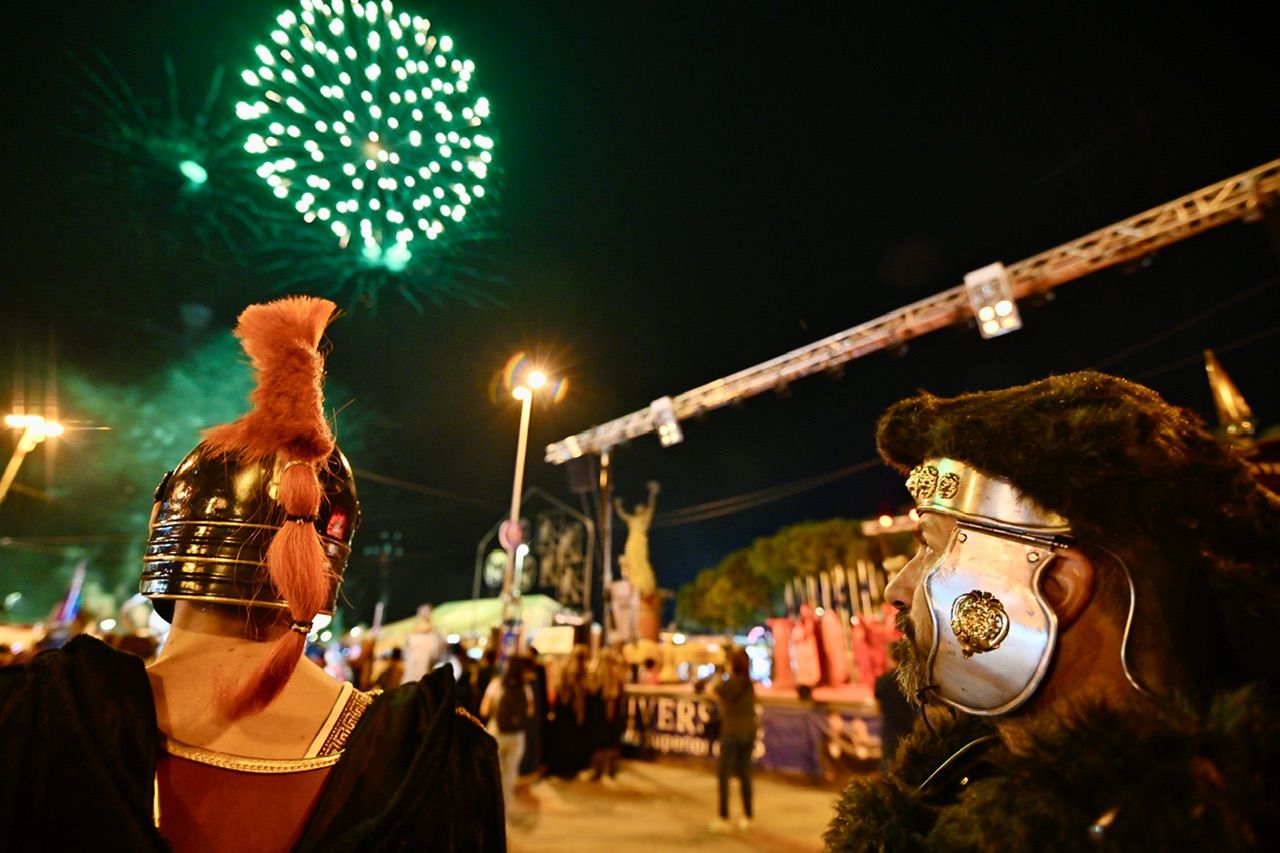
[(746, 586)]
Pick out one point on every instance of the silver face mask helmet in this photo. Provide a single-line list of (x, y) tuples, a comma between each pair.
[(993, 633)]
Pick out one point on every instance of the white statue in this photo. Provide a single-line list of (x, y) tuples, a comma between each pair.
[(635, 556)]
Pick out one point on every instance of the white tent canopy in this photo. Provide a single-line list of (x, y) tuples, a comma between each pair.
[(474, 617)]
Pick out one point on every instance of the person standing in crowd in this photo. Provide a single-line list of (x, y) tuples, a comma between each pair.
[(534, 760), (465, 677), (226, 741), (736, 703), (896, 714), (424, 646), (507, 706), (393, 674), (1095, 600), (485, 672), (567, 753), (606, 712)]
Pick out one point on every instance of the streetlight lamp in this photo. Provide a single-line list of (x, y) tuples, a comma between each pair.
[(511, 534), (35, 429)]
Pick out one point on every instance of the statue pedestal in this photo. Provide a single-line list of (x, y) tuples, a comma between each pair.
[(649, 617)]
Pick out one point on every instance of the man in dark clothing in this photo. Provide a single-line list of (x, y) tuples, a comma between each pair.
[(736, 701), (79, 750), (1093, 604), (225, 742), (896, 716)]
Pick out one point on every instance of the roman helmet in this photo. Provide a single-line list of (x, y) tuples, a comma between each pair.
[(213, 521), (263, 511), (1091, 461)]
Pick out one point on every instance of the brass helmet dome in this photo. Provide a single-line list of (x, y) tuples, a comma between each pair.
[(214, 518)]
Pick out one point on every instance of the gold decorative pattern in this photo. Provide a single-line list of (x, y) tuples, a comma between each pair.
[(979, 622), (467, 715), (352, 711), (244, 763), (948, 486), (922, 482)]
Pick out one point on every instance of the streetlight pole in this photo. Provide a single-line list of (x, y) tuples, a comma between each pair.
[(389, 550), (511, 534), (513, 537), (35, 429)]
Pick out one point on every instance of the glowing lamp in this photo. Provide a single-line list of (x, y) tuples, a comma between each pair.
[(664, 416), (990, 292)]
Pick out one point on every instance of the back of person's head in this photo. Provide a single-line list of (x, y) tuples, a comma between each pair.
[(513, 672), (262, 513), (740, 663), (1148, 493)]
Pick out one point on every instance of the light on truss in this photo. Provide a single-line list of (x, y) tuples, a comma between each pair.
[(664, 416), (990, 292)]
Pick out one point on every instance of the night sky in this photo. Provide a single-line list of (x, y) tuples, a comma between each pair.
[(691, 189)]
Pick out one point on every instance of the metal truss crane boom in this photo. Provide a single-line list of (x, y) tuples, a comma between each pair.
[(1240, 197)]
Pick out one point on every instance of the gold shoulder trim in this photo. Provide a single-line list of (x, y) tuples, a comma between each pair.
[(352, 711), (244, 763), (467, 715)]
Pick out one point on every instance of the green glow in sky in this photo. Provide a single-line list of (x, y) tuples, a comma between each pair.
[(193, 172)]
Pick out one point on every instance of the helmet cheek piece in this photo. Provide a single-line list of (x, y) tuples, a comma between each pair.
[(994, 635)]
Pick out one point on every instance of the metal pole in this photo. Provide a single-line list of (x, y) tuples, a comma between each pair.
[(30, 438), (510, 592), (606, 542)]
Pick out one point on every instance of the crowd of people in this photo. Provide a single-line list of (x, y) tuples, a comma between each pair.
[(556, 715)]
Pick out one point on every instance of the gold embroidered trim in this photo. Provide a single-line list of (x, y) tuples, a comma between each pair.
[(467, 715), (244, 763), (352, 711)]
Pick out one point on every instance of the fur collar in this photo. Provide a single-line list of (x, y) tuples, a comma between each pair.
[(1171, 779)]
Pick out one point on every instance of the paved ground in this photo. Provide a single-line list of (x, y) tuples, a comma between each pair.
[(661, 806)]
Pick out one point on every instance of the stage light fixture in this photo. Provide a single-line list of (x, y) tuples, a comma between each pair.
[(990, 292), (664, 416)]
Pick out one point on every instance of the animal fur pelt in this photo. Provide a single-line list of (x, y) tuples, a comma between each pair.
[(281, 339), (1164, 779)]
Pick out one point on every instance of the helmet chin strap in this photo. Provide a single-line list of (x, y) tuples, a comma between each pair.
[(926, 696), (1128, 626)]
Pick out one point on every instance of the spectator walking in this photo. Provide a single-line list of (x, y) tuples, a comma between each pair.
[(567, 753), (507, 706), (606, 712), (736, 700)]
